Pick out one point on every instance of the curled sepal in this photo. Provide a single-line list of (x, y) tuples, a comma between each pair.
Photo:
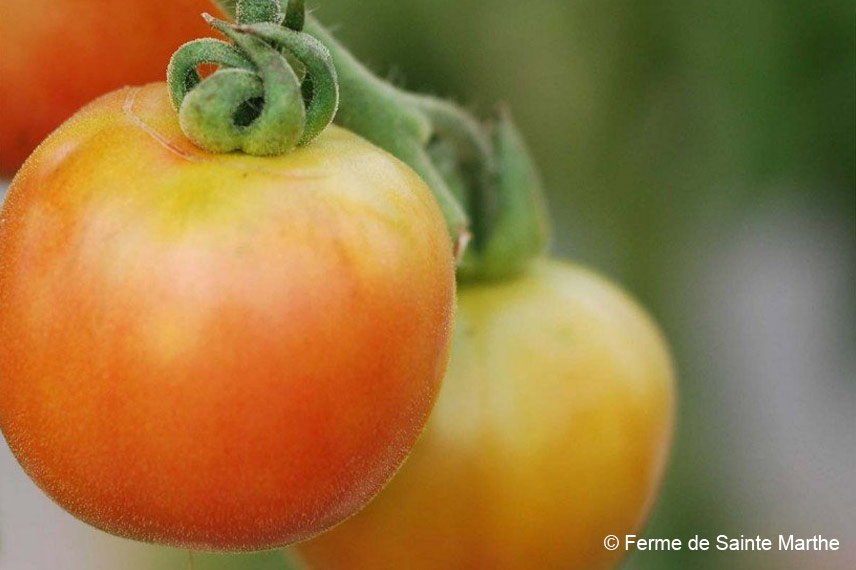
[(256, 101), (320, 71), (257, 111), (182, 75)]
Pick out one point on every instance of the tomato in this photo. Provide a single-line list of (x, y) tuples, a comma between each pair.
[(216, 351), (551, 432), (60, 54)]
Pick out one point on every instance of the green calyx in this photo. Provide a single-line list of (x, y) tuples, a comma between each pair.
[(480, 173), (275, 87)]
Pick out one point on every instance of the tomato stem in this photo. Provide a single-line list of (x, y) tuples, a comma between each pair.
[(259, 11), (481, 174)]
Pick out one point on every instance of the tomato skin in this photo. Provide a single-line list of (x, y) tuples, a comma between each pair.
[(551, 432), (218, 352), (60, 54)]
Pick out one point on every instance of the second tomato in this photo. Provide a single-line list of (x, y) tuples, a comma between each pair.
[(60, 54), (551, 433)]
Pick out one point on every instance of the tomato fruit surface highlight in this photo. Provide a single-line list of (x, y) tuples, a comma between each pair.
[(219, 352), (60, 54), (551, 432)]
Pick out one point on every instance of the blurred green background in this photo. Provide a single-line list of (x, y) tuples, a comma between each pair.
[(703, 154)]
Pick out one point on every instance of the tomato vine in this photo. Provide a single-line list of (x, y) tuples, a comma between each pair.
[(284, 78)]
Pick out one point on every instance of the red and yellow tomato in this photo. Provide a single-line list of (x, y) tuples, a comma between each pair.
[(551, 432), (60, 54), (218, 352)]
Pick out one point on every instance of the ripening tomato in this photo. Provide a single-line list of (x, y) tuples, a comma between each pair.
[(219, 352), (60, 54), (551, 432)]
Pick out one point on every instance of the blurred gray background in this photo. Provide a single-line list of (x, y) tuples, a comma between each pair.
[(702, 154)]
